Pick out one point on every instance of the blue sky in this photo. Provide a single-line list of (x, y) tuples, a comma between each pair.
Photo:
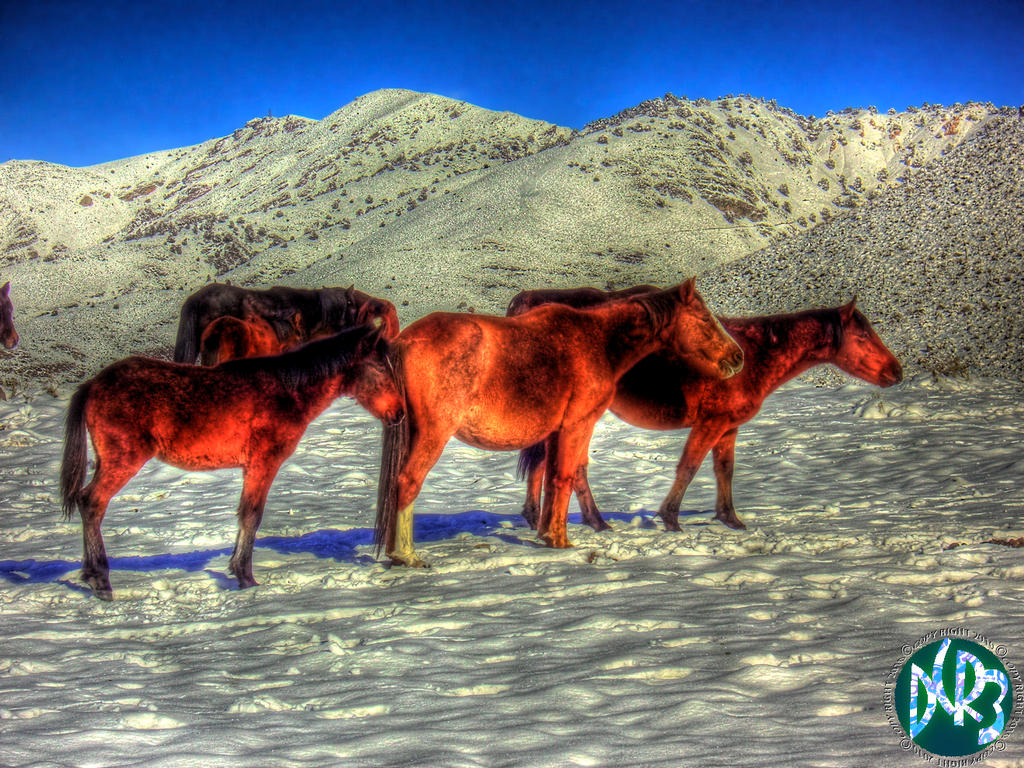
[(85, 82)]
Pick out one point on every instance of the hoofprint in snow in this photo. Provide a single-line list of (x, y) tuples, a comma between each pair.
[(768, 646)]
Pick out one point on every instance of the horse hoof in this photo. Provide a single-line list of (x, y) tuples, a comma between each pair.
[(670, 518), (100, 587), (557, 542), (409, 561), (731, 521)]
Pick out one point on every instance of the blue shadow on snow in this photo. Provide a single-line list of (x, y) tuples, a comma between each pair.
[(329, 544)]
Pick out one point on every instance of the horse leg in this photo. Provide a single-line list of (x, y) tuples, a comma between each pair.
[(585, 497), (564, 450), (255, 487), (534, 480), (534, 483), (724, 457), (697, 446), (111, 475), (424, 451)]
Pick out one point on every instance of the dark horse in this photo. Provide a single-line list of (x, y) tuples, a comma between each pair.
[(663, 392), (247, 413), (229, 338), (315, 312), (8, 336), (504, 383)]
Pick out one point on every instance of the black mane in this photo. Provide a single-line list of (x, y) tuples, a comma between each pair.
[(337, 307), (312, 362)]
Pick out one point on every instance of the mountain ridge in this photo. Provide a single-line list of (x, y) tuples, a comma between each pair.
[(435, 204)]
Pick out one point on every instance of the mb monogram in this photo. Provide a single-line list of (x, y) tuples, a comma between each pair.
[(953, 697)]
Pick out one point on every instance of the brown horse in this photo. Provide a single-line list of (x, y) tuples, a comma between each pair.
[(244, 413), (229, 338), (316, 312), (664, 392), (504, 383), (8, 336)]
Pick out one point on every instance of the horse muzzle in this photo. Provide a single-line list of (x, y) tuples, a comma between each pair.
[(11, 340), (732, 365), (892, 376)]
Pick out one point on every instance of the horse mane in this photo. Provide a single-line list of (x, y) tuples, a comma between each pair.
[(774, 330), (661, 306), (337, 307), (313, 362)]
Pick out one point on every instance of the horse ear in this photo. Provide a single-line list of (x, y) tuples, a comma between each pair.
[(6, 290), (687, 289), (846, 311)]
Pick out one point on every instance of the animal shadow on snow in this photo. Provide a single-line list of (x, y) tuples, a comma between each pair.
[(328, 544)]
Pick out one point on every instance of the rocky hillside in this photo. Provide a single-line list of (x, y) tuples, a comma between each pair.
[(937, 263), (434, 204)]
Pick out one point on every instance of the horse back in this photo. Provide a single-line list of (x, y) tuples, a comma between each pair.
[(578, 298), (192, 417), (496, 380)]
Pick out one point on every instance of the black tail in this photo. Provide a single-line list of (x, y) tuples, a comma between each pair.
[(186, 346), (76, 453), (529, 459), (394, 451)]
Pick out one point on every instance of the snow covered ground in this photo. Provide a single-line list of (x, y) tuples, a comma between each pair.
[(765, 647)]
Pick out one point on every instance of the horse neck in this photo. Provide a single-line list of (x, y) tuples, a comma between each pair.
[(631, 333), (803, 341), (321, 370)]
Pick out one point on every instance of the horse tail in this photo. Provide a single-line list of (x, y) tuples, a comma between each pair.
[(186, 345), (529, 459), (76, 452), (394, 451)]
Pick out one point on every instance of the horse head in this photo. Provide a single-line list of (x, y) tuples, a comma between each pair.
[(8, 335), (861, 352), (376, 384), (695, 334)]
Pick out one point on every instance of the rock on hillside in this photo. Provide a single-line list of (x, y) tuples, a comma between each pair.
[(432, 203), (937, 263)]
